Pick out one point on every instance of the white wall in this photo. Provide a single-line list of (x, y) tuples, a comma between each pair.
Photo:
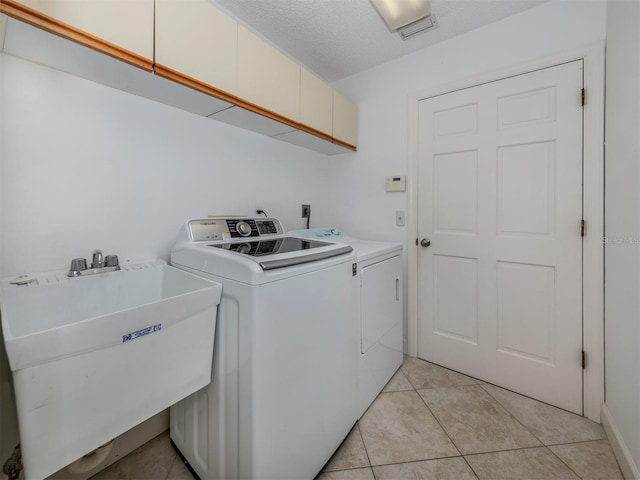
[(8, 423), (83, 166), (86, 167), (622, 221), (383, 94)]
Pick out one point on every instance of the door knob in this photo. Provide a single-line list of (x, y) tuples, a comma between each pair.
[(425, 242)]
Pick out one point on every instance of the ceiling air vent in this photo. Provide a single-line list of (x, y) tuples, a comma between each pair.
[(418, 27)]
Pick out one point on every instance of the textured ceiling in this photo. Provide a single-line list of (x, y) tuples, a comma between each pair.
[(338, 38)]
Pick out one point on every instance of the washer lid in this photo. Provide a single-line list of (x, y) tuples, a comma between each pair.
[(272, 246), (288, 251)]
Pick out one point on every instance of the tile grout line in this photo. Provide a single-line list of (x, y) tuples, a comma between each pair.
[(445, 432), (508, 413), (434, 417), (438, 421), (407, 461), (365, 447), (505, 451), (563, 462), (513, 416), (573, 443), (171, 467), (407, 377), (482, 385), (545, 445), (470, 467)]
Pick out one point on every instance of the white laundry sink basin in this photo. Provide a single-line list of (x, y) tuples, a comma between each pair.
[(94, 356)]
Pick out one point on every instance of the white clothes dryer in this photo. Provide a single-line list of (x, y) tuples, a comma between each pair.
[(380, 312)]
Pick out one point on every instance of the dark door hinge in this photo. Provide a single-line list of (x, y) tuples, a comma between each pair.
[(583, 97), (582, 227), (584, 359)]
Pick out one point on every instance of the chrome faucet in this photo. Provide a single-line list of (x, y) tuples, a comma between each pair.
[(99, 264), (97, 261)]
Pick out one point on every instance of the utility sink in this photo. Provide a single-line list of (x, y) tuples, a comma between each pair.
[(95, 356)]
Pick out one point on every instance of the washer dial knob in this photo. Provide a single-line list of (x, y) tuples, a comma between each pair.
[(244, 248), (243, 228)]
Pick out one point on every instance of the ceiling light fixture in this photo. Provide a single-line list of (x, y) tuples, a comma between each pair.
[(400, 13)]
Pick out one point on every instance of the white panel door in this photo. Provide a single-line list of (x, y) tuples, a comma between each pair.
[(500, 199)]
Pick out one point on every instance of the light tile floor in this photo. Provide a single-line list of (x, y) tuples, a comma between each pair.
[(433, 423)]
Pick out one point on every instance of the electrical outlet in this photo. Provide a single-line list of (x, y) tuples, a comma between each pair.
[(306, 211)]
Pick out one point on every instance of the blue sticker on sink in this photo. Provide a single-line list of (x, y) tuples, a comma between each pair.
[(141, 333)]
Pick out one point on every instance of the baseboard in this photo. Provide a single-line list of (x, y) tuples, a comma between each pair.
[(620, 450)]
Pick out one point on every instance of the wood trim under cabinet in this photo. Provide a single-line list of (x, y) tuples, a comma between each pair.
[(344, 144), (182, 79), (252, 107), (207, 89), (44, 22), (51, 25), (186, 80), (178, 77), (315, 133)]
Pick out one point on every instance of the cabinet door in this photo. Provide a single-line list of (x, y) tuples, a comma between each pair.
[(125, 23), (345, 119), (196, 39), (266, 77), (316, 103)]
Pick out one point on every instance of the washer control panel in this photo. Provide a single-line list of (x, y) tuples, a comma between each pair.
[(208, 229)]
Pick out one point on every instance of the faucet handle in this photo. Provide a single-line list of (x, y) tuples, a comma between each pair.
[(111, 261), (98, 259), (77, 266)]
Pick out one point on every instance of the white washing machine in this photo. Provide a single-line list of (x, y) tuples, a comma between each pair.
[(379, 310), (283, 392)]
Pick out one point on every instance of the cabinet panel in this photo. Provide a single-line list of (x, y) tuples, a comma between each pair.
[(345, 119), (266, 77), (196, 39), (306, 140), (125, 23), (3, 27), (252, 121), (316, 103)]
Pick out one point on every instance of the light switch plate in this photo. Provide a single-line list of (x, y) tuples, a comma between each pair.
[(396, 183), (399, 218)]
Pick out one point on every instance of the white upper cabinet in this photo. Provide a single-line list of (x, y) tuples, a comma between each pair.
[(316, 103), (345, 119), (127, 24), (196, 39), (202, 60), (267, 77)]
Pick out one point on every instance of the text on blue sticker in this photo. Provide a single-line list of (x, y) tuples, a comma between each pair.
[(142, 332)]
